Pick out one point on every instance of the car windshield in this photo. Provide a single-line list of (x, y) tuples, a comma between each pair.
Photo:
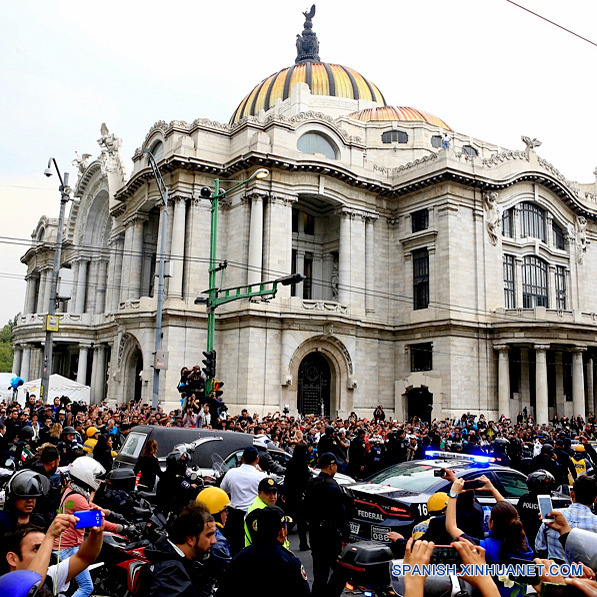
[(415, 477)]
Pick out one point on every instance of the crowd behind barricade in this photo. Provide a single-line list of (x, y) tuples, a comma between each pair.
[(244, 512)]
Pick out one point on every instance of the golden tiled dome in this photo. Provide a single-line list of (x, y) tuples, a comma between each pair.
[(399, 114), (321, 77)]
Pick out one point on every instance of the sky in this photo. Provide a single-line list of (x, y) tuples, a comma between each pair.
[(488, 68)]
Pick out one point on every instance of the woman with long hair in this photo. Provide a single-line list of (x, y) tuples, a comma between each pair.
[(148, 465), (55, 433), (102, 451), (507, 539)]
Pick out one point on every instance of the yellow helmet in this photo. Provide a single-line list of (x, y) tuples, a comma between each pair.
[(438, 502), (91, 431), (214, 498), (579, 448)]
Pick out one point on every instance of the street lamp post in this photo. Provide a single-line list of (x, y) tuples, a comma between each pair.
[(163, 189), (218, 296), (51, 320)]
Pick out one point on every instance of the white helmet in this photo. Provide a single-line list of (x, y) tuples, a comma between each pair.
[(261, 441), (86, 470)]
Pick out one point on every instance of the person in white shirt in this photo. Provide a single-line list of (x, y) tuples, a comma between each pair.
[(241, 484)]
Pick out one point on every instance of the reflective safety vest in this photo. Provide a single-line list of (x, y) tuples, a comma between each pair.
[(581, 466)]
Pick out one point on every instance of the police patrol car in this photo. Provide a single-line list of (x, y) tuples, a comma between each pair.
[(395, 499)]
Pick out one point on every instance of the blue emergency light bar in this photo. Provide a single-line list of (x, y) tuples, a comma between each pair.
[(457, 456)]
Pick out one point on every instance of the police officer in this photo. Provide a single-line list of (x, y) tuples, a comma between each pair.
[(581, 462), (329, 443), (175, 488), (67, 446), (266, 559), (539, 482), (547, 461), (328, 526)]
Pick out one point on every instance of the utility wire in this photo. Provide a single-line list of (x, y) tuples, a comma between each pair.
[(553, 23)]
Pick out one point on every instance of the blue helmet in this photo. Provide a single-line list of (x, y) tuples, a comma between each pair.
[(20, 583)]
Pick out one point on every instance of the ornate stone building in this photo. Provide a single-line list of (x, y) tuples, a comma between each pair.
[(438, 279)]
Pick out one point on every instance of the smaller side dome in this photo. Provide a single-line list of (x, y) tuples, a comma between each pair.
[(397, 113)]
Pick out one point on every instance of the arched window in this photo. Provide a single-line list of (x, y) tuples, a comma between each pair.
[(436, 141), (508, 223), (316, 143), (469, 150), (393, 136), (558, 237), (534, 283), (532, 221), (158, 151)]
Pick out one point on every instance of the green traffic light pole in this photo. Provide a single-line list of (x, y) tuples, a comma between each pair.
[(218, 296)]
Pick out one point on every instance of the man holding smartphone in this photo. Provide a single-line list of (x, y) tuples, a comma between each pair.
[(578, 515)]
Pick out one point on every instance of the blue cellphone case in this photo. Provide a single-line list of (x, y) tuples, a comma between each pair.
[(88, 518)]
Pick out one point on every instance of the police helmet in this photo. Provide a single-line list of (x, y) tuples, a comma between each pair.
[(87, 471), (541, 482), (69, 429), (20, 583), (261, 441), (214, 498), (27, 484), (122, 478), (177, 460), (26, 433), (329, 430)]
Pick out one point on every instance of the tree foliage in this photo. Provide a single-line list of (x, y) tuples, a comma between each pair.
[(6, 348)]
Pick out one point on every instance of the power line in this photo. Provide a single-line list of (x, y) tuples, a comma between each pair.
[(553, 23)]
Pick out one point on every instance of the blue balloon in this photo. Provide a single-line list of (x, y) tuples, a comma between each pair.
[(15, 382)]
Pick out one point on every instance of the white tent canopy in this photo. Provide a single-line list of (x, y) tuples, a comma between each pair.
[(5, 393), (59, 386)]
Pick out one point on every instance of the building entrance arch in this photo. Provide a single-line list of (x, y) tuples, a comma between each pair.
[(314, 385), (132, 357), (419, 403)]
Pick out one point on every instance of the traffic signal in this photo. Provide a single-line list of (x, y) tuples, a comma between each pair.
[(210, 364)]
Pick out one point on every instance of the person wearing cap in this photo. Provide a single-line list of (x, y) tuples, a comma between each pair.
[(267, 560), (581, 462), (92, 434), (547, 461), (242, 485), (328, 526), (267, 496), (329, 443)]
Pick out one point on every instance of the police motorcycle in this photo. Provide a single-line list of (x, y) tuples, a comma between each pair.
[(6, 472), (117, 572)]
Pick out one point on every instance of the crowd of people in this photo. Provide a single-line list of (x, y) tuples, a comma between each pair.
[(245, 522)]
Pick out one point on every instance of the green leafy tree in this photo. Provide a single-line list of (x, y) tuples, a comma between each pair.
[(6, 347)]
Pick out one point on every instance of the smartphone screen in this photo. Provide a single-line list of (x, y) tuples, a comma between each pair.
[(545, 506), (445, 554), (88, 518), (475, 484)]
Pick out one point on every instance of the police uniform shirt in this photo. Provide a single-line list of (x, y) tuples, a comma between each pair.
[(241, 484), (528, 511)]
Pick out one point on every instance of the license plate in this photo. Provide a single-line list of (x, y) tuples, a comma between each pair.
[(354, 528), (380, 533)]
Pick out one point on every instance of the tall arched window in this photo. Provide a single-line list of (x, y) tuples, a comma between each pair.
[(158, 151), (532, 221), (317, 143), (508, 223), (558, 237), (534, 283)]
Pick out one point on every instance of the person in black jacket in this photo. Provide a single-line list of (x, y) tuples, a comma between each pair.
[(266, 561), (102, 452), (176, 562), (148, 465), (328, 526), (329, 443), (547, 461), (357, 456), (295, 484)]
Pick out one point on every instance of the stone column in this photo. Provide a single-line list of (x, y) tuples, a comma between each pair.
[(136, 270), (560, 398), (26, 362), (578, 385), (255, 240), (42, 305), (344, 258), (98, 377), (116, 282), (82, 368), (125, 270), (590, 395), (81, 289), (370, 264), (177, 255), (30, 295), (16, 361), (90, 307), (541, 404), (102, 281), (503, 380)]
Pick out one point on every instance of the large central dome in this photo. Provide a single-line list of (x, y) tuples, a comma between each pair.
[(321, 77)]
